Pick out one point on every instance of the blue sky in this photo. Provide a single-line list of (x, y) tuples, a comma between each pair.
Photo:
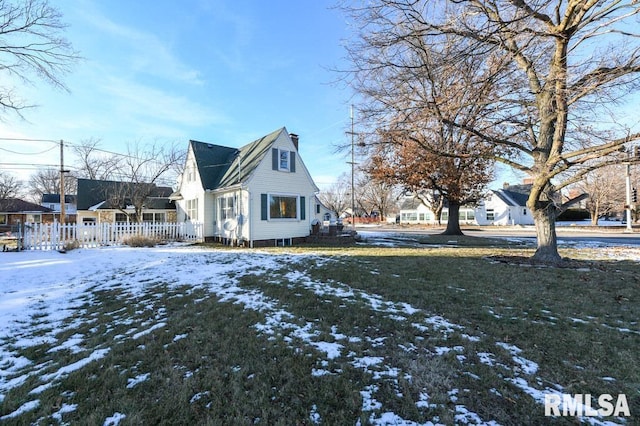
[(220, 71)]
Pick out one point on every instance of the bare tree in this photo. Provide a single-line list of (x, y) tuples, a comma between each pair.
[(47, 181), (140, 172), (556, 70), (152, 163), (95, 163), (31, 43), (374, 195), (606, 189), (126, 195), (337, 197), (10, 187)]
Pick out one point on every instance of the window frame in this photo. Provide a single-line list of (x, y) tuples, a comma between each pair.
[(191, 210), (491, 214), (35, 218), (227, 205), (120, 214), (270, 197), (191, 172), (155, 217), (286, 158)]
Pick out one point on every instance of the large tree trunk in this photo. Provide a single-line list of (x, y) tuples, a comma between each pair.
[(436, 209), (545, 222), (453, 225), (594, 211)]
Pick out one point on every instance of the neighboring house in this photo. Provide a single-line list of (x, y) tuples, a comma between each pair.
[(14, 211), (413, 211), (52, 201), (506, 206), (259, 194), (103, 201), (324, 215)]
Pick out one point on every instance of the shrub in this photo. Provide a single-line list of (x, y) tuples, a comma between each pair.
[(71, 245), (140, 241), (574, 214)]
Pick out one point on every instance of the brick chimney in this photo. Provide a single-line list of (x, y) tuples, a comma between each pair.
[(294, 139), (505, 185)]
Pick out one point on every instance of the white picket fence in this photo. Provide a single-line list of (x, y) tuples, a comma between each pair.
[(56, 236)]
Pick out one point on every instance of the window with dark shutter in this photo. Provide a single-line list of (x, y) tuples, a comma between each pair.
[(303, 208), (284, 161)]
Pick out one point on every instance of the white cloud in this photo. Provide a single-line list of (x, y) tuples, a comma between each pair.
[(146, 52), (137, 100)]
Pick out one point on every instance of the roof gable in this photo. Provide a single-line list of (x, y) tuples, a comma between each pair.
[(221, 166), (410, 204)]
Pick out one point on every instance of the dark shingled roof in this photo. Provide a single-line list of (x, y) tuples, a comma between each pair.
[(218, 165), (518, 193), (93, 192), (212, 162), (16, 205), (55, 198)]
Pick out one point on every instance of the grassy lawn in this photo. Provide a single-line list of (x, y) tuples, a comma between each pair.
[(437, 332)]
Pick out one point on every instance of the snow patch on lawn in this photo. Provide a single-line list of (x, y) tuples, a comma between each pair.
[(42, 291)]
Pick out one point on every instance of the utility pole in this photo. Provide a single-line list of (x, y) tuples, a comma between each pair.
[(353, 194), (628, 197), (62, 206), (633, 155)]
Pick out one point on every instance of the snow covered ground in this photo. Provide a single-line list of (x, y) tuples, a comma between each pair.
[(40, 290)]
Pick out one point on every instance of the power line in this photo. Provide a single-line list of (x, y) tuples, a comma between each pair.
[(57, 142), (67, 143), (29, 164), (29, 140), (36, 166), (28, 153)]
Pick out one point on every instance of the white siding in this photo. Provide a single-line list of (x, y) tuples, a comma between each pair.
[(322, 213), (192, 189), (267, 181), (422, 214), (82, 214), (503, 214), (234, 228)]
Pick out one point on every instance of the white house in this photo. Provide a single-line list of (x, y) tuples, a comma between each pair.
[(506, 206), (52, 201), (322, 213), (259, 194), (413, 211)]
